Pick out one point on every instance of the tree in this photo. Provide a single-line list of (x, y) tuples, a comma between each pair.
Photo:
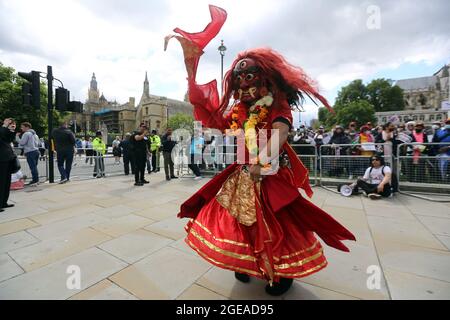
[(360, 111), (181, 121), (354, 91), (11, 102), (384, 96)]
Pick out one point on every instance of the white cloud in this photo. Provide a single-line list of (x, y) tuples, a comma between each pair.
[(120, 40)]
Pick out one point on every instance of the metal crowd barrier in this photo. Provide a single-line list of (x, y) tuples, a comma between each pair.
[(42, 165), (343, 163), (422, 166), (307, 153), (87, 163)]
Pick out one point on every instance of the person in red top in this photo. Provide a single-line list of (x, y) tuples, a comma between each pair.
[(244, 220)]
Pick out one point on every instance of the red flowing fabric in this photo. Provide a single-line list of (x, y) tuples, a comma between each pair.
[(281, 243), (204, 97)]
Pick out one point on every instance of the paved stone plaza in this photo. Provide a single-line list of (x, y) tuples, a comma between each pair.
[(128, 244)]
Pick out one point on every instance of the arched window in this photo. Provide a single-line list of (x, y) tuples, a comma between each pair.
[(422, 100)]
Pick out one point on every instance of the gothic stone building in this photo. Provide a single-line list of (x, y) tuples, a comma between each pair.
[(99, 113), (426, 99), (155, 111)]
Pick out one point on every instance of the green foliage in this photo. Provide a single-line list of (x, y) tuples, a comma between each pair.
[(356, 98), (11, 103), (385, 97), (181, 121), (354, 91), (360, 111)]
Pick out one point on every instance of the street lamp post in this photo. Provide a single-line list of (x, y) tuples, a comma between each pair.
[(222, 50)]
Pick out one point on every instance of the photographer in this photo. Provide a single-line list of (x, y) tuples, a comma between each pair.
[(167, 146), (139, 142), (7, 157)]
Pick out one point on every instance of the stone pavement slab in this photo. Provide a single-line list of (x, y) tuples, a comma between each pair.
[(50, 282), (162, 275), (136, 245), (48, 251), (129, 244), (16, 240), (407, 286), (61, 228), (16, 225), (104, 290), (119, 226), (8, 268)]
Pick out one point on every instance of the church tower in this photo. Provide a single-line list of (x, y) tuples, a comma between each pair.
[(93, 93), (146, 92)]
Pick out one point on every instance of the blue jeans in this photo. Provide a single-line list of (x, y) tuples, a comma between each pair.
[(65, 156), (32, 159)]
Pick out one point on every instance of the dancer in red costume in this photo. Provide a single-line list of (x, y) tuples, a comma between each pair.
[(254, 224)]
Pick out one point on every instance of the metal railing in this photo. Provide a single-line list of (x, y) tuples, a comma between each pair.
[(424, 166), (344, 163), (42, 165)]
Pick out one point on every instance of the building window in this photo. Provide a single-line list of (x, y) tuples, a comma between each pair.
[(431, 117), (422, 118), (414, 118), (438, 117), (146, 110), (158, 124), (422, 100)]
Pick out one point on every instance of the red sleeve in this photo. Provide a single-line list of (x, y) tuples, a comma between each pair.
[(282, 111)]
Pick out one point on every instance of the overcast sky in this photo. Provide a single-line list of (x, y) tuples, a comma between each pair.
[(333, 41)]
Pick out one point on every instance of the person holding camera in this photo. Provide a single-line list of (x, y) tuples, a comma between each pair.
[(29, 141), (7, 156), (167, 146), (139, 142)]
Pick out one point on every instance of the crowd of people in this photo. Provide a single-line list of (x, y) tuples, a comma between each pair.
[(347, 150)]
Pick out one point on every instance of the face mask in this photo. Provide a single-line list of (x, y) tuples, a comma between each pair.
[(418, 130)]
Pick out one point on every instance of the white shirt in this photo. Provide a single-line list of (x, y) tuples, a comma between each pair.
[(376, 176)]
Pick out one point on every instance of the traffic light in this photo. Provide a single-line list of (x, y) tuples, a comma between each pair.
[(62, 97), (31, 91), (75, 106)]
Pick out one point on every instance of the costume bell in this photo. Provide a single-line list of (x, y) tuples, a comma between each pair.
[(259, 227)]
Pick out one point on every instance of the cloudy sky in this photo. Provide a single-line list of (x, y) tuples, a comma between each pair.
[(333, 41)]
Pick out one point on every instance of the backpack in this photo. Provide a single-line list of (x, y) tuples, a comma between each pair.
[(394, 180)]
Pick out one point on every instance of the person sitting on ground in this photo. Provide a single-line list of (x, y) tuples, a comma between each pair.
[(376, 182)]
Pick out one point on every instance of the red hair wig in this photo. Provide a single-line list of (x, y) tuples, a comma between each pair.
[(287, 83)]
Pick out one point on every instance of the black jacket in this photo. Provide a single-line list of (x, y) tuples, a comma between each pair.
[(6, 137), (167, 145), (125, 145), (64, 139)]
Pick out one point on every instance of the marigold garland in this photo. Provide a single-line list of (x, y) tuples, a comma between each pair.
[(257, 114)]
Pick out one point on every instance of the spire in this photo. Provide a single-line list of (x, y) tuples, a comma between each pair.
[(146, 92), (93, 82)]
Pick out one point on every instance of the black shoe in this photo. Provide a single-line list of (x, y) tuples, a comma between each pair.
[(173, 177), (242, 277), (144, 181), (138, 184), (1, 210), (168, 178), (7, 206), (279, 288), (127, 174)]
